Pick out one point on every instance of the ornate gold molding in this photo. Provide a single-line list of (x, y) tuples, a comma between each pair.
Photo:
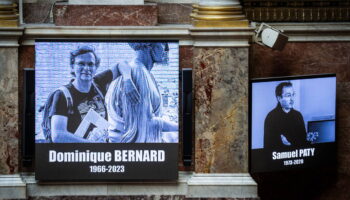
[(218, 16), (9, 15)]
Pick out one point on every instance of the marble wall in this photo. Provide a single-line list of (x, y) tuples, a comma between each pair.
[(221, 110), (174, 13), (37, 13), (168, 13), (9, 135), (103, 15), (306, 59)]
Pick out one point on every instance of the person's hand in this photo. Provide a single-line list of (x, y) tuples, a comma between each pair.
[(285, 141), (98, 135), (312, 136)]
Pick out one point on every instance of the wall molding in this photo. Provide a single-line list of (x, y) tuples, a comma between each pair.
[(12, 187), (189, 184), (9, 36), (238, 185), (186, 34)]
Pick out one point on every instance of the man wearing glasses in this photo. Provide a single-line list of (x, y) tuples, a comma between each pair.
[(87, 90), (284, 126)]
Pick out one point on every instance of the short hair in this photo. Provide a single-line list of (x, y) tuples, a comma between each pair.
[(80, 51), (164, 52), (139, 45), (143, 45), (280, 87)]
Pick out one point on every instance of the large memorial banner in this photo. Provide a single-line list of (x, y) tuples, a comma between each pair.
[(292, 123), (106, 110)]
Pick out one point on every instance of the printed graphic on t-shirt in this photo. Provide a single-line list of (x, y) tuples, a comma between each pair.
[(96, 103)]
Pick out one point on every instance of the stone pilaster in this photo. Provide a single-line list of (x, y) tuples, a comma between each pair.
[(105, 15), (9, 135), (221, 99)]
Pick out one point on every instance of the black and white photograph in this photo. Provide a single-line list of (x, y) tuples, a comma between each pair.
[(291, 120), (106, 94)]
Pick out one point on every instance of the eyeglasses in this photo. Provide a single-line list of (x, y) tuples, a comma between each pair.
[(83, 64), (289, 95)]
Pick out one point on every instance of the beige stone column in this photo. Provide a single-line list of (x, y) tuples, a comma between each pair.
[(11, 185), (220, 63), (9, 135), (221, 36), (218, 13), (220, 67)]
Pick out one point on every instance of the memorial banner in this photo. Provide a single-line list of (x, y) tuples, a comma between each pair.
[(106, 110), (292, 122)]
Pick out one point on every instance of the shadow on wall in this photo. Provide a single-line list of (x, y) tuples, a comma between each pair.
[(296, 185)]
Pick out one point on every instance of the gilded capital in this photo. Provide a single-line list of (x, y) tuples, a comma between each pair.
[(218, 13)]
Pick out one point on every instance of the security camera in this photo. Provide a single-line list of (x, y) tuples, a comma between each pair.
[(266, 35)]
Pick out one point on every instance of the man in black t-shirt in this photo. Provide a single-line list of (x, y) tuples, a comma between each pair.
[(87, 91), (82, 102), (284, 126)]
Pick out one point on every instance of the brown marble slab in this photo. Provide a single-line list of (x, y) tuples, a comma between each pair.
[(340, 190), (174, 13), (9, 135), (186, 56), (301, 59), (26, 57), (343, 105), (221, 110), (105, 15), (37, 13), (343, 150), (343, 89)]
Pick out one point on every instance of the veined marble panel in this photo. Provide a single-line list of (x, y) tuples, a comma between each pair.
[(8, 110), (221, 110), (38, 13), (186, 55), (105, 15), (174, 13), (302, 59)]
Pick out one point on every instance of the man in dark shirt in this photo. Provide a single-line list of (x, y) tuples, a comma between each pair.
[(87, 90), (284, 126)]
